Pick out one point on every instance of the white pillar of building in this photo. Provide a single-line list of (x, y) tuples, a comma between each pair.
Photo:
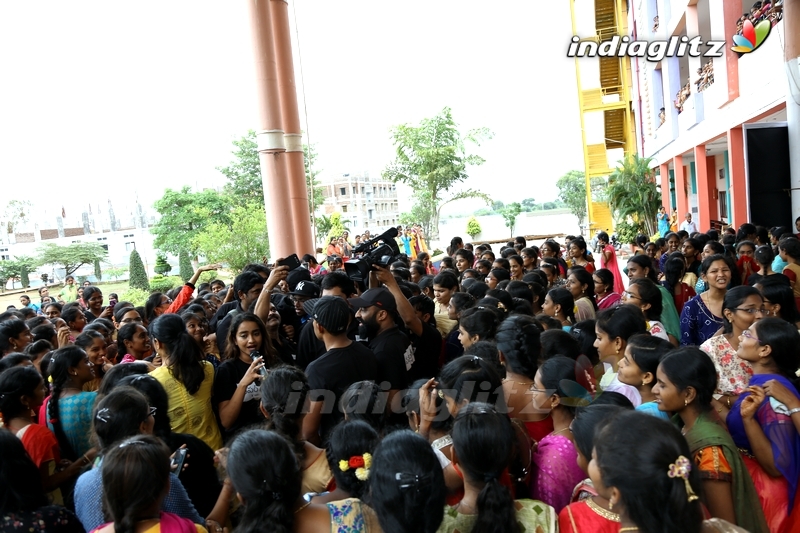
[(791, 21)]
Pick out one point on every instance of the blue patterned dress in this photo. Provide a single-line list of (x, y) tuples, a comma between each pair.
[(698, 323), (75, 415)]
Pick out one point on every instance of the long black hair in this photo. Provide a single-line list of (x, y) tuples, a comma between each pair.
[(483, 440), (776, 334), (635, 452), (350, 438), (184, 355), (266, 349), (63, 359), (777, 291), (8, 330), (561, 296), (623, 321), (690, 366), (518, 338), (20, 482), (365, 401), (585, 278), (119, 416), (644, 261), (283, 397), (649, 293), (480, 322), (472, 379), (156, 396), (554, 372), (407, 488), (135, 475), (15, 383), (264, 470)]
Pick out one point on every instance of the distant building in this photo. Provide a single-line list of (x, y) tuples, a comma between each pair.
[(368, 203)]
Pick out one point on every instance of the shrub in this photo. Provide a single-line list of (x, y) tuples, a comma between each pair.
[(207, 277), (23, 277), (135, 296), (473, 227), (627, 232), (162, 266), (98, 273), (164, 283), (185, 265), (138, 277)]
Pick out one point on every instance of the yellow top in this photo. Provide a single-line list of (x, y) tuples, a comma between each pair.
[(191, 413)]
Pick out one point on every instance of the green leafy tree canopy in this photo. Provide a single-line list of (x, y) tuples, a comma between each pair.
[(572, 191), (138, 278), (184, 215), (432, 158), (71, 257), (510, 213), (633, 192), (248, 227), (473, 227)]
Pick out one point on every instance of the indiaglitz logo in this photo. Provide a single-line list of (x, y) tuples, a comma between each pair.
[(751, 37), (653, 51)]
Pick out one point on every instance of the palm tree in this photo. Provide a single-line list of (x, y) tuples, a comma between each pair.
[(632, 192)]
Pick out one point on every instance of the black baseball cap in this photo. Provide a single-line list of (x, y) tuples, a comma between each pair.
[(332, 313), (306, 289), (381, 298)]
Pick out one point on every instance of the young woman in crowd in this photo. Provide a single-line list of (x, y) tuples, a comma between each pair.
[(560, 305), (187, 378), (644, 294), (641, 267), (581, 285), (674, 274), (198, 474), (94, 344), (24, 505), (519, 349), (701, 316), (579, 256), (765, 430), (445, 284), (741, 307), (643, 465), (483, 440), (604, 289), (350, 438), (476, 325), (557, 471), (589, 512), (686, 382), (68, 411), (284, 402), (238, 381), (608, 260), (613, 329), (197, 326), (638, 369)]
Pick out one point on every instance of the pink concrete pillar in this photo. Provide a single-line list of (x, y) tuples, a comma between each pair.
[(681, 195), (713, 191), (665, 196), (740, 212), (290, 121), (269, 132), (706, 189)]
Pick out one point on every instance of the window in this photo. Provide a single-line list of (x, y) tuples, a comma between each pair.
[(102, 238), (127, 236), (355, 190), (362, 190), (130, 246), (369, 213), (343, 191), (105, 247), (5, 257), (344, 209)]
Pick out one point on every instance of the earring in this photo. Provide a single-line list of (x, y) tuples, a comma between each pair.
[(685, 403), (644, 383), (617, 351), (610, 505)]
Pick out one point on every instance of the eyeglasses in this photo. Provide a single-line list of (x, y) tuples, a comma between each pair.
[(152, 412), (747, 335), (751, 311), (629, 294)]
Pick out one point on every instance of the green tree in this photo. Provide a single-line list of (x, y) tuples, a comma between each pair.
[(510, 213), (632, 192), (497, 206), (98, 273), (338, 226), (116, 272), (316, 195), (138, 278), (572, 191), (244, 172), (528, 204), (71, 257), (473, 227), (162, 266), (184, 215), (432, 158), (249, 226), (9, 271), (27, 265), (185, 269)]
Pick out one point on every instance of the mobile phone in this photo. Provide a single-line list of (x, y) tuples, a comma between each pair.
[(292, 262), (257, 357), (176, 463)]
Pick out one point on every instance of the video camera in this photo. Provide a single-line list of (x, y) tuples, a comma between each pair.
[(381, 251)]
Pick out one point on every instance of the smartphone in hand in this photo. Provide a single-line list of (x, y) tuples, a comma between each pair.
[(176, 463), (292, 262)]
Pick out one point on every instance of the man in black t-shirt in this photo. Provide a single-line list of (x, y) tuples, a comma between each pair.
[(417, 314), (345, 362), (377, 310)]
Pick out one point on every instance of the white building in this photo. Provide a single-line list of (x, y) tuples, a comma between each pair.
[(368, 203)]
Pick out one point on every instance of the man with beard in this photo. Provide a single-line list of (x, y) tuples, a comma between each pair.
[(377, 311)]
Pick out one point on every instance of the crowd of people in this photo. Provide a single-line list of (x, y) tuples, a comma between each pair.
[(500, 388)]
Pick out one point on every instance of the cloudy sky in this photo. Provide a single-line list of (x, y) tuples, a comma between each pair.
[(123, 99)]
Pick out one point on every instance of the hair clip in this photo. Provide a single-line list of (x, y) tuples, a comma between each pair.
[(103, 415), (132, 441), (407, 481), (681, 468), (476, 360)]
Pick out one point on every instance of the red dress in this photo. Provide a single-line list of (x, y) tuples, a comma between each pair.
[(587, 517)]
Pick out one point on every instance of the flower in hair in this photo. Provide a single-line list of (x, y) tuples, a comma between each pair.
[(49, 379), (681, 468), (361, 464)]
